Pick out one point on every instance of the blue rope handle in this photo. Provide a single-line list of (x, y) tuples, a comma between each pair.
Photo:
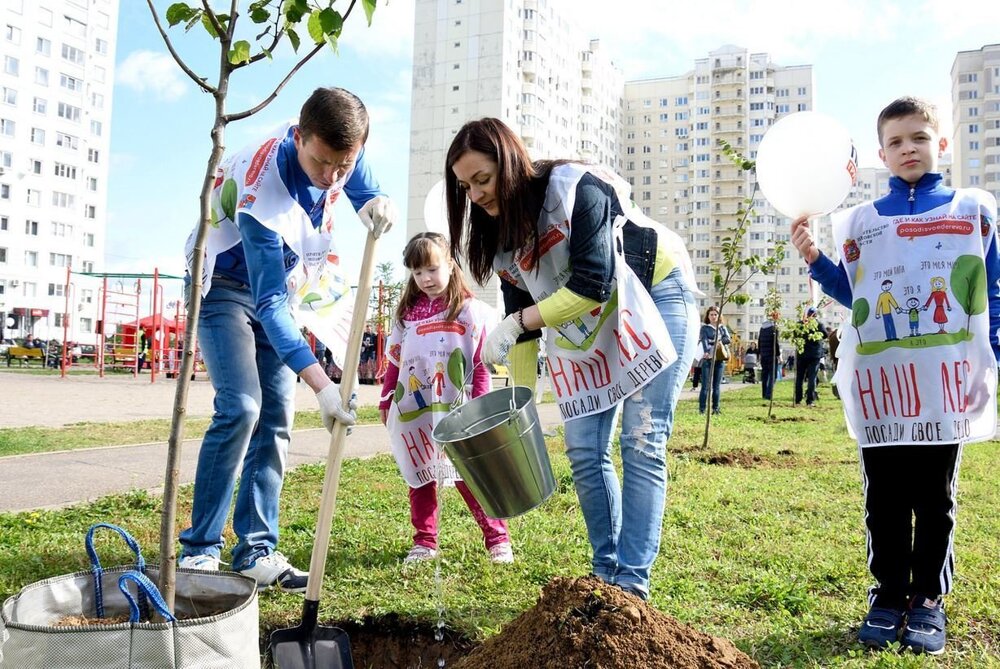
[(146, 589), (97, 571)]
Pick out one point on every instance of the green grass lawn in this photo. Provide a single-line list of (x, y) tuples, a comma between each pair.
[(763, 543)]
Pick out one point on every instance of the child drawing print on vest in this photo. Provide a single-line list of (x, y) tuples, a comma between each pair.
[(883, 309), (415, 386), (913, 312), (939, 296)]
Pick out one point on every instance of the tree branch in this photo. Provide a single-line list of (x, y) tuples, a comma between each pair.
[(236, 116), (214, 20), (170, 47)]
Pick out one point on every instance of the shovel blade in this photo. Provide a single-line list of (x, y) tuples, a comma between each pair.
[(317, 648)]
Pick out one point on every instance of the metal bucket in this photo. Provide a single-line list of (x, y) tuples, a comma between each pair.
[(495, 442)]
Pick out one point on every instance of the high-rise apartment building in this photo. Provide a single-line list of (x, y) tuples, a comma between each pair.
[(673, 128), (975, 109), (522, 61), (55, 121)]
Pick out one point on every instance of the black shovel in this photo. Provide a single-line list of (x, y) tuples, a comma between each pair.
[(312, 646)]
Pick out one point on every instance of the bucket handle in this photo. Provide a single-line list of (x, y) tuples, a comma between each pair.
[(97, 570)]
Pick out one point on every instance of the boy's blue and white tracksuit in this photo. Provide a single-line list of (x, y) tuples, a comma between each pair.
[(910, 489)]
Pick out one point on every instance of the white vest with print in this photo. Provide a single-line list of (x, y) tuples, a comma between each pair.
[(434, 357), (934, 382), (248, 182), (598, 359)]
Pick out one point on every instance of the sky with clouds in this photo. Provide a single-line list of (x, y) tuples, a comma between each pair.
[(864, 54)]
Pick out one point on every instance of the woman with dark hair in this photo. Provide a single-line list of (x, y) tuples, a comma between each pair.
[(617, 293), (713, 334)]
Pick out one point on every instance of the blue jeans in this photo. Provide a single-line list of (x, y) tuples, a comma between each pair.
[(250, 430), (624, 521), (720, 367)]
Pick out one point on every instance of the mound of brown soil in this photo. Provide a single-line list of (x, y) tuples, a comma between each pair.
[(585, 622)]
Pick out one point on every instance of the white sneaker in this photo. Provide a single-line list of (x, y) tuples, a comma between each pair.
[(502, 553), (274, 569), (199, 562), (420, 554)]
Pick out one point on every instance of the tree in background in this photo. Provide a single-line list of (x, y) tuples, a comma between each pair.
[(730, 277), (272, 23)]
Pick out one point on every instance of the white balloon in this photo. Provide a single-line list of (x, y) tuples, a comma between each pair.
[(806, 164), (436, 210)]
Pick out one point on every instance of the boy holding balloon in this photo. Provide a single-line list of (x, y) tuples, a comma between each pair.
[(912, 403)]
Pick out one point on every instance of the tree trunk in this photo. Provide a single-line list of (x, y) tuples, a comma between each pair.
[(168, 517)]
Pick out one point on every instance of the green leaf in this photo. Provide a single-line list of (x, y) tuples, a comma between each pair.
[(207, 23), (332, 41), (315, 27), (369, 6), (293, 38), (259, 15), (179, 12), (332, 21), (294, 10), (240, 53), (267, 53)]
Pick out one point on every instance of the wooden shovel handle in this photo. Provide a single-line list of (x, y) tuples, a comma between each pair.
[(321, 544)]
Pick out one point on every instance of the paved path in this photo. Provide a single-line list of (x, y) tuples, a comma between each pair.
[(53, 480)]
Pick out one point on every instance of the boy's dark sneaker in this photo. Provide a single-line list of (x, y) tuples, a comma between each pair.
[(924, 631), (881, 627)]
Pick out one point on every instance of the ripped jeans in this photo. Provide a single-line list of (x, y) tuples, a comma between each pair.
[(624, 521)]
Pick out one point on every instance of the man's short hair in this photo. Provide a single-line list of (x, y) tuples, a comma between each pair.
[(336, 116)]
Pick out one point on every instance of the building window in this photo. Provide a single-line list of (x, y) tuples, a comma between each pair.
[(96, 128), (34, 197), (31, 259), (74, 26), (4, 192), (92, 184), (59, 259), (6, 159), (65, 171), (72, 54), (7, 127), (68, 112), (93, 156), (43, 46), (8, 96), (88, 239), (41, 76), (70, 83), (67, 141), (101, 46), (31, 228), (63, 200), (12, 34), (37, 136), (11, 65), (90, 211), (36, 166), (40, 106)]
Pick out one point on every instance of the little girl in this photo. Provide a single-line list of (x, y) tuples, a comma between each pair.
[(437, 336)]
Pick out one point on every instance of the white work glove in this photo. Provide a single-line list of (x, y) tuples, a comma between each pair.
[(378, 214), (331, 408), (498, 343)]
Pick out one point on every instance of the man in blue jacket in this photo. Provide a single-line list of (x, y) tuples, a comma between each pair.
[(271, 235)]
